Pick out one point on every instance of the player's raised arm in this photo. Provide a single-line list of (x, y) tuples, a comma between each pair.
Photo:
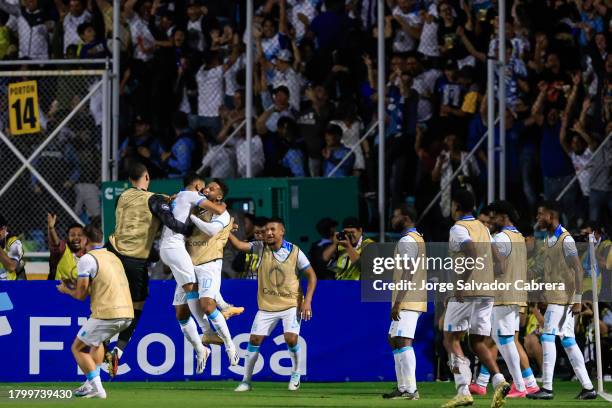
[(306, 308), (215, 207), (238, 244), (209, 228), (160, 208)]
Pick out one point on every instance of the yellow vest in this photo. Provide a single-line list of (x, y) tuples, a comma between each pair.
[(109, 289), (344, 268), (67, 266), (556, 270), (418, 302), (203, 248), (20, 264), (250, 266), (479, 234), (278, 285), (136, 226), (516, 269)]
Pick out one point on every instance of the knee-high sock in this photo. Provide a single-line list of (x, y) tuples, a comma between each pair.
[(249, 362), (407, 362), (294, 353), (218, 321), (577, 360), (464, 375), (549, 351), (193, 302), (190, 331), (221, 303), (483, 376), (509, 352), (529, 378), (126, 334), (399, 373), (93, 377)]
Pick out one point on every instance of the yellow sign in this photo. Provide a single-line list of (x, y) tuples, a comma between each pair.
[(23, 108)]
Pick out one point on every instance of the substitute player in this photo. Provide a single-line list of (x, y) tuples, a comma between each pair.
[(407, 307), (279, 296), (138, 216), (561, 265), (100, 276), (470, 310)]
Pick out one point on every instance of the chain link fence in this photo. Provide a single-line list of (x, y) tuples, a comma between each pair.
[(58, 167)]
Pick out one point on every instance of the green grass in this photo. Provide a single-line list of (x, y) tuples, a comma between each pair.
[(220, 395)]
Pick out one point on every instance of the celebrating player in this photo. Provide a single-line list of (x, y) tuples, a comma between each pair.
[(100, 275), (561, 265), (470, 309), (138, 216), (279, 296), (406, 307)]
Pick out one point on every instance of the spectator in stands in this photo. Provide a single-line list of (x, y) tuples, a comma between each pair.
[(141, 146), (71, 17), (334, 152), (64, 254), (344, 254), (246, 263), (283, 74), (257, 154), (92, 46), (11, 254), (326, 228), (292, 163), (31, 23), (218, 159), (177, 161)]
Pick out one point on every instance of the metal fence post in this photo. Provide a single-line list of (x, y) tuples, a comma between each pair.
[(381, 119), (490, 130), (502, 99), (249, 87), (116, 79), (105, 127)]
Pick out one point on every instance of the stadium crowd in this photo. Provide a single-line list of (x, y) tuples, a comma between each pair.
[(183, 78)]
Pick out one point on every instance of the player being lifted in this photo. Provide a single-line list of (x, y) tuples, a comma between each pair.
[(561, 264), (470, 310), (279, 296), (100, 275), (138, 216), (407, 306), (174, 254)]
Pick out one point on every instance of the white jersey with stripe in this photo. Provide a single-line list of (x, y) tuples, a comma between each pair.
[(182, 205)]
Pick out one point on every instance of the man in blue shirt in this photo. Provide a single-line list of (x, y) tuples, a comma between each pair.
[(334, 152), (178, 160)]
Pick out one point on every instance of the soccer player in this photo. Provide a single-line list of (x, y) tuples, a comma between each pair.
[(406, 307), (138, 215), (279, 296), (11, 254), (174, 254), (470, 310), (100, 275), (562, 265)]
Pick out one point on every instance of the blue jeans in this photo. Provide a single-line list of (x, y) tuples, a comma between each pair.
[(598, 200)]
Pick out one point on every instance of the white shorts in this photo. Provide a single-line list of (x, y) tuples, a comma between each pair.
[(265, 322), (505, 320), (474, 314), (406, 325), (96, 331), (179, 262), (559, 320), (208, 277), (180, 297)]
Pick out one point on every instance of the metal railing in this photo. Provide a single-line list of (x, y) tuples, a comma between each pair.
[(222, 145), (352, 150)]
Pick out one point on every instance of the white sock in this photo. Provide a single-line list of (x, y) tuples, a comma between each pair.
[(483, 376), (510, 354), (462, 380), (96, 382), (193, 302), (294, 353), (577, 360), (497, 378), (529, 378), (190, 331), (408, 366), (221, 303), (249, 362), (218, 321), (399, 374), (119, 352), (549, 351)]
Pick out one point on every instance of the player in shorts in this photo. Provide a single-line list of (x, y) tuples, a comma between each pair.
[(279, 296), (100, 276)]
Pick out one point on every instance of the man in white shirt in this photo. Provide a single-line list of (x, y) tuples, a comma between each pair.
[(30, 22), (72, 16), (409, 32), (11, 254), (283, 74), (142, 38)]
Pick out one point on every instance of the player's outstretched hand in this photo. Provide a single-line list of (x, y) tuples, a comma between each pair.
[(306, 311)]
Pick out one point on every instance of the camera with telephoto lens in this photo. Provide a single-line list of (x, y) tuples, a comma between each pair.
[(341, 236)]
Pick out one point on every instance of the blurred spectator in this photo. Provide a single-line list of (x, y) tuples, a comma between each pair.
[(12, 265), (219, 160), (293, 162), (71, 17), (92, 46), (326, 228), (246, 263), (177, 161), (64, 254), (334, 152), (345, 252), (141, 146), (31, 23)]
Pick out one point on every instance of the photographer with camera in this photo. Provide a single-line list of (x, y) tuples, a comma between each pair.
[(343, 256)]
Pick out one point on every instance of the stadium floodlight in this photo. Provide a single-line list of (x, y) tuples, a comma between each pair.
[(600, 389)]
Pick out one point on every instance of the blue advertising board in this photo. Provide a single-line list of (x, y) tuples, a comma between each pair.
[(345, 341)]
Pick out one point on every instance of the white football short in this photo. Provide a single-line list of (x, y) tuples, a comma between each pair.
[(96, 331), (406, 325), (179, 262), (208, 276), (473, 314), (559, 320), (265, 322), (505, 320)]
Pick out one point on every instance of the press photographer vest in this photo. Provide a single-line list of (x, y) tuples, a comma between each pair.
[(418, 302), (20, 270), (109, 289), (479, 234), (136, 227), (516, 269), (278, 285), (67, 266)]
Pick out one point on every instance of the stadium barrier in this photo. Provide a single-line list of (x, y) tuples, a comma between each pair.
[(345, 341)]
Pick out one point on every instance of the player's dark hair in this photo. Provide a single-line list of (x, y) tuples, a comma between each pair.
[(552, 206), (190, 178), (464, 200), (260, 221), (93, 234), (136, 171), (71, 226), (277, 220), (506, 208), (408, 211), (487, 209), (222, 185)]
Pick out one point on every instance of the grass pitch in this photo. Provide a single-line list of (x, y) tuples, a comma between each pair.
[(220, 394)]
